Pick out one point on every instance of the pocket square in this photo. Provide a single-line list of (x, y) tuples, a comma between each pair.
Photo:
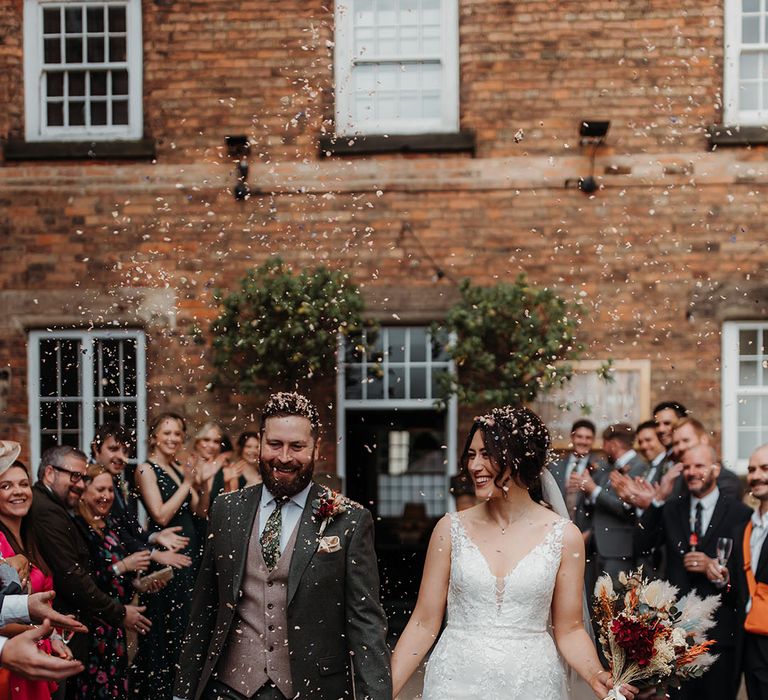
[(329, 544)]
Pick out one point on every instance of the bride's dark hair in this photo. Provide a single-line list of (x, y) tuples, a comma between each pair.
[(517, 441)]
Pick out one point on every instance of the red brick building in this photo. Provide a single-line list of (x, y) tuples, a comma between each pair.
[(387, 138)]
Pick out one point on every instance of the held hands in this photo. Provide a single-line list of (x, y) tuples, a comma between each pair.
[(602, 682), (22, 655), (636, 492), (171, 539), (60, 649), (134, 620), (21, 564), (39, 606), (666, 486)]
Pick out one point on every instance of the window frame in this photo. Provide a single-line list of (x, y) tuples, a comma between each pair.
[(87, 396), (34, 99), (343, 57), (731, 390), (344, 404), (733, 48)]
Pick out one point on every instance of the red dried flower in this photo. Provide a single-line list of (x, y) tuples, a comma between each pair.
[(636, 638)]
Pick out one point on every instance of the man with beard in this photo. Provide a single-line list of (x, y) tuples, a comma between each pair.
[(690, 526), (749, 572), (61, 482), (287, 600)]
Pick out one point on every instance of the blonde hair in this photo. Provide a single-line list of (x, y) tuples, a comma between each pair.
[(205, 427), (154, 426)]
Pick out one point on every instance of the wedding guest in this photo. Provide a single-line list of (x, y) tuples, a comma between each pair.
[(17, 538), (665, 415), (110, 448), (244, 470), (689, 527), (208, 447), (689, 432), (60, 484), (748, 571), (173, 494), (613, 521), (106, 666), (568, 470)]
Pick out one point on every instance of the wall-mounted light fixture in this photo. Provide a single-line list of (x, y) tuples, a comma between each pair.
[(238, 147), (591, 133)]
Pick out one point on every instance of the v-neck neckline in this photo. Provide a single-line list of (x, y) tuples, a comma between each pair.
[(517, 564)]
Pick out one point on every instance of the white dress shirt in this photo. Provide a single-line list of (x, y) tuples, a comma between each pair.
[(290, 515), (15, 609), (708, 504)]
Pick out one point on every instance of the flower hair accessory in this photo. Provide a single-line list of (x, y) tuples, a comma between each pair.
[(328, 505)]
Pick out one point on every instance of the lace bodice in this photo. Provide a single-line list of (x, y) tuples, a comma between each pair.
[(519, 601), (496, 644)]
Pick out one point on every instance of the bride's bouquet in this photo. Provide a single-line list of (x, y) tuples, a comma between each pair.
[(648, 636)]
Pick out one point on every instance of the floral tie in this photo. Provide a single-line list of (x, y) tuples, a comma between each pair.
[(270, 536)]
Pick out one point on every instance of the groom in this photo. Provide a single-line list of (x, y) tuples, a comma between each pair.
[(287, 600)]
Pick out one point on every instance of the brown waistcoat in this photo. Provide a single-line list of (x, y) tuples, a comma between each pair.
[(256, 650)]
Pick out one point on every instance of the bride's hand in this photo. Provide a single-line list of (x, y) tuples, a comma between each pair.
[(602, 683)]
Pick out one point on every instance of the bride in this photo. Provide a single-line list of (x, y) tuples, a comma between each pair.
[(506, 569)]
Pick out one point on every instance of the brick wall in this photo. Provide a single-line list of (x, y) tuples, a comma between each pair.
[(675, 227)]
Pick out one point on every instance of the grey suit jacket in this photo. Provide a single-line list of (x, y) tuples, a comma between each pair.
[(334, 613), (583, 516), (614, 521)]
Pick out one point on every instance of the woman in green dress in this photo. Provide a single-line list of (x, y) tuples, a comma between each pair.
[(173, 495)]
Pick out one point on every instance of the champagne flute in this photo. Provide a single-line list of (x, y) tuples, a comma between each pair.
[(724, 548)]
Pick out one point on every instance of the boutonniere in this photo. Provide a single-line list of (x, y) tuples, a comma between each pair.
[(329, 504)]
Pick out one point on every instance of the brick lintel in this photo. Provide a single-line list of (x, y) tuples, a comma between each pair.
[(721, 135), (18, 149), (462, 141)]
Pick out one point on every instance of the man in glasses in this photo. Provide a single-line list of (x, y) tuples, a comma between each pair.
[(61, 481)]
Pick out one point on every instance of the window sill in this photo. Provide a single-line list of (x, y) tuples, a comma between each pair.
[(18, 149), (721, 135), (460, 142)]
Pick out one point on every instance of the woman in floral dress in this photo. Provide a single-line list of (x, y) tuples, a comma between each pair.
[(106, 669)]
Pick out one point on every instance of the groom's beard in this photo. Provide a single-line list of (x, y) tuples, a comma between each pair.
[(282, 487)]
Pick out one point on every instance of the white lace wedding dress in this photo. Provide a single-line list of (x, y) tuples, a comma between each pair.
[(497, 644)]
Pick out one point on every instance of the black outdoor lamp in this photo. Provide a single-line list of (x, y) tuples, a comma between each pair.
[(591, 133), (239, 147)]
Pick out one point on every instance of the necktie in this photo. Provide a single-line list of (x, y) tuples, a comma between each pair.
[(572, 499), (697, 520), (270, 536)]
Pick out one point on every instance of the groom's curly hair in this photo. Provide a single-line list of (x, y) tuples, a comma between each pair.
[(290, 403), (517, 441)]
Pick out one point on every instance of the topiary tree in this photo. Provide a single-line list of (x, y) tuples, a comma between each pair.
[(510, 342), (279, 329)]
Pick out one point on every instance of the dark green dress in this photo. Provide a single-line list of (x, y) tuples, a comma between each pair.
[(154, 668)]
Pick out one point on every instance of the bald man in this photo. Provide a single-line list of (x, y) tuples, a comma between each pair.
[(689, 527)]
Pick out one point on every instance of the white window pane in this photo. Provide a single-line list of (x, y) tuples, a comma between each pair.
[(388, 76), (431, 75), (750, 5), (749, 66), (364, 13), (750, 30), (431, 105), (747, 373), (418, 382), (365, 41), (748, 441), (431, 40), (387, 104), (396, 387), (749, 95), (430, 11), (749, 412), (418, 344), (364, 77), (409, 12), (387, 44), (396, 344), (410, 105), (386, 14), (409, 40)]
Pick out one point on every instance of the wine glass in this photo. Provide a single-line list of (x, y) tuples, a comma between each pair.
[(724, 547)]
